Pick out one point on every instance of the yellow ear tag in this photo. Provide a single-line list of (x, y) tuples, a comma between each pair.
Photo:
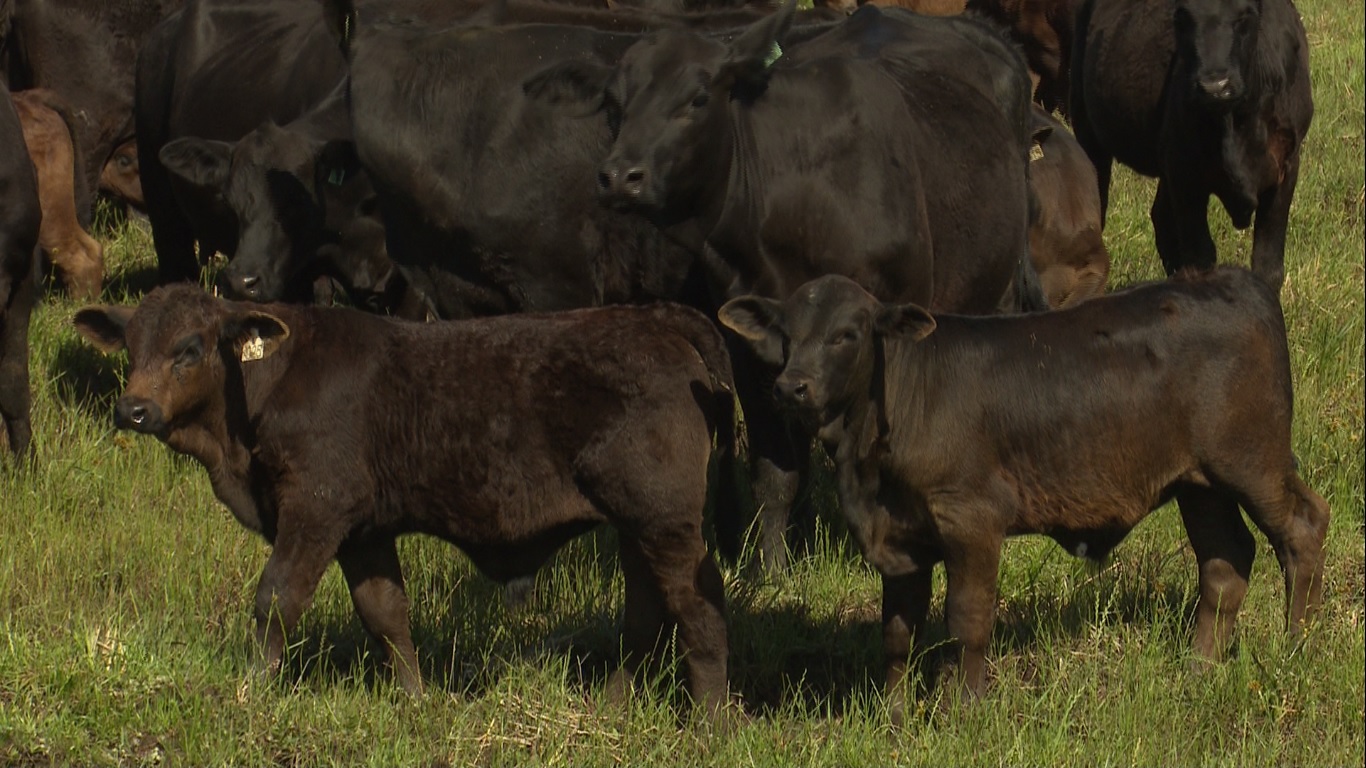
[(253, 348), (1035, 152)]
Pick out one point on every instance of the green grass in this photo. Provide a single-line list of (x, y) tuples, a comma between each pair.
[(125, 590)]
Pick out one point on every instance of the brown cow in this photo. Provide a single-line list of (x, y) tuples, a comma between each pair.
[(951, 433), (332, 431), (1065, 241), (78, 257), (120, 176)]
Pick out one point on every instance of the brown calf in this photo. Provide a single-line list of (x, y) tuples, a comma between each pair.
[(332, 431), (78, 257), (951, 433), (1065, 241), (121, 176)]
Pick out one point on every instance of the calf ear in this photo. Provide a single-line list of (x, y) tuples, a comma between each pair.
[(910, 321), (755, 50), (254, 335), (582, 83), (756, 320), (201, 162), (103, 326)]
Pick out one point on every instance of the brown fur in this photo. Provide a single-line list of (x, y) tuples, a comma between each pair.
[(120, 176), (506, 437)]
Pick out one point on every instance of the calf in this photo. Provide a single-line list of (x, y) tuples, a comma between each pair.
[(1065, 241), (20, 217), (121, 176), (1210, 96), (332, 431), (951, 433), (78, 257)]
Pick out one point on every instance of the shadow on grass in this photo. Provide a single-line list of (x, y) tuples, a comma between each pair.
[(131, 283), (86, 378)]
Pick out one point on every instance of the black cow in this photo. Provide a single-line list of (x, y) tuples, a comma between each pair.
[(1210, 96), (332, 431), (85, 51), (950, 433), (272, 60), (295, 206), (20, 218), (921, 141)]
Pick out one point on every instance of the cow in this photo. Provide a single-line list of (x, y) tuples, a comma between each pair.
[(927, 137), (77, 257), (20, 218), (1212, 98), (330, 431), (85, 51), (950, 433), (1065, 242), (121, 178)]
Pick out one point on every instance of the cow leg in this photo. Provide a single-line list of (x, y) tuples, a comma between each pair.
[(970, 606), (672, 585), (1224, 550), (14, 390), (375, 578), (286, 588), (1181, 225), (1100, 158), (1295, 519), (1268, 232), (905, 602)]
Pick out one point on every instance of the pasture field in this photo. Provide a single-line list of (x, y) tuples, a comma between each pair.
[(126, 590)]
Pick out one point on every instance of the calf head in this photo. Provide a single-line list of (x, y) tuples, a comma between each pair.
[(179, 341), (668, 103), (827, 339), (1219, 40), (121, 175), (270, 179)]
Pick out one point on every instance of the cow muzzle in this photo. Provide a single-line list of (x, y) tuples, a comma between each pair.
[(1219, 87), (139, 414), (623, 187)]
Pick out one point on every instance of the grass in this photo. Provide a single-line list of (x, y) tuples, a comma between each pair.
[(125, 590)]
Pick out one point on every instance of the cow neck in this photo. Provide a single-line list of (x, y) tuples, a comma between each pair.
[(732, 223)]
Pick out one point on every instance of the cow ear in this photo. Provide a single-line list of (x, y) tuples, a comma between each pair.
[(755, 50), (910, 321), (201, 162), (254, 335), (581, 83), (756, 319), (103, 326)]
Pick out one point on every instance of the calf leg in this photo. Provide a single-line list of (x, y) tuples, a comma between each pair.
[(286, 588), (1224, 550), (1295, 519), (905, 602), (375, 578), (970, 606), (679, 579)]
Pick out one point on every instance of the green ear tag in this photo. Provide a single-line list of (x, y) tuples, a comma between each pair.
[(336, 177), (775, 52)]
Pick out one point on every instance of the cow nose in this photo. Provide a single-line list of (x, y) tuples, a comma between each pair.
[(613, 181), (246, 285), (793, 389), (137, 414), (1217, 86)]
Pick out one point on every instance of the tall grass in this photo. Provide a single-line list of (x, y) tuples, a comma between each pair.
[(125, 590)]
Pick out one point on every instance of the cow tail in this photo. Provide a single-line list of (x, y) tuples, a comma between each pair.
[(1025, 293), (719, 405)]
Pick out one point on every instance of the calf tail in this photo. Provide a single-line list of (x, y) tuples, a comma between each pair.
[(1025, 293), (719, 405)]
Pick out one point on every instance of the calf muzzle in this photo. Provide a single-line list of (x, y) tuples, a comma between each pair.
[(138, 414)]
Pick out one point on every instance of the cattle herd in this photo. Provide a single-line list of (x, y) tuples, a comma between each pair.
[(585, 243)]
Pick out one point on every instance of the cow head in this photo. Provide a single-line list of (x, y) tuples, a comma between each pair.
[(668, 102), (269, 179), (826, 339), (181, 342), (1219, 40)]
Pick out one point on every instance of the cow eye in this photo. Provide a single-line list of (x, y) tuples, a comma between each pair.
[(189, 351), (843, 337), (700, 100)]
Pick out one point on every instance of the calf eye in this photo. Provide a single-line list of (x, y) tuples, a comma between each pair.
[(700, 100), (189, 352), (844, 337)]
